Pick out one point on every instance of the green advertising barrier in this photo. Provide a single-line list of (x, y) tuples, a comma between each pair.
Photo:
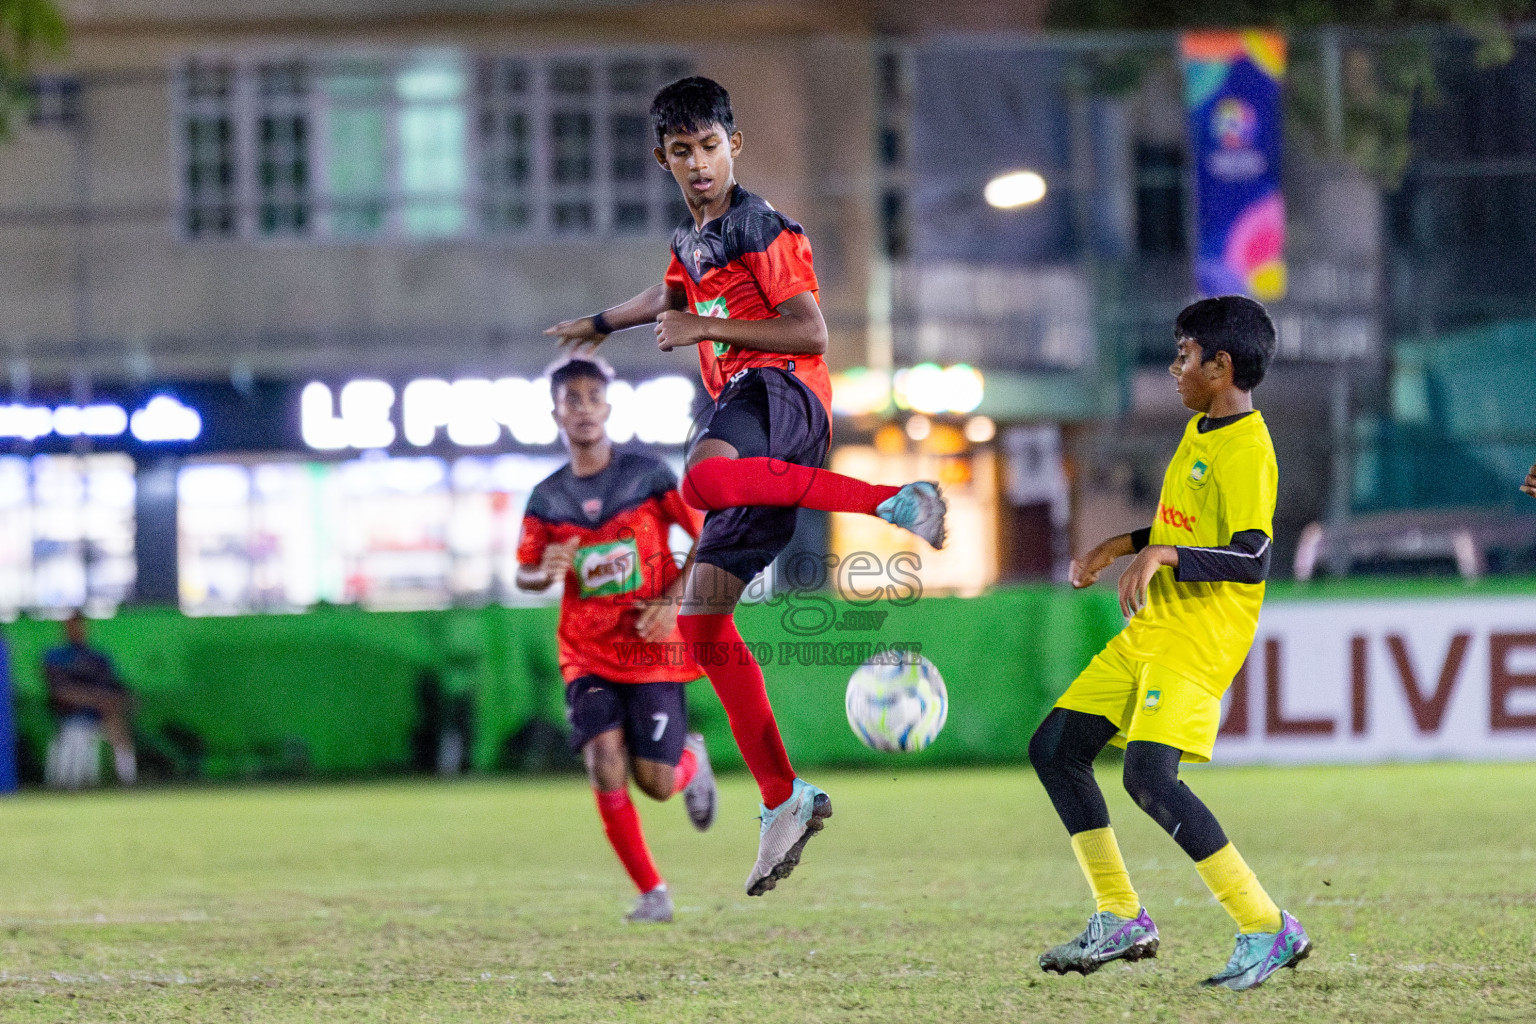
[(340, 691)]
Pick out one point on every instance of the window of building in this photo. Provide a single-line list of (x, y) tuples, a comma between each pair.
[(420, 145), (894, 72), (52, 101), (1160, 228), (209, 190)]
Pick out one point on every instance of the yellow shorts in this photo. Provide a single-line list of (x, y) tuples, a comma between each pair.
[(1148, 702)]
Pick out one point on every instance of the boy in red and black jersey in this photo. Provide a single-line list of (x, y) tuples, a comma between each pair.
[(600, 523), (742, 287)]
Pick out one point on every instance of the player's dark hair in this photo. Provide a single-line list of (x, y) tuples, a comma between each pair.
[(691, 105), (1236, 325), (577, 368)]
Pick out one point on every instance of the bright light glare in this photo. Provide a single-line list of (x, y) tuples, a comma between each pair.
[(321, 430), (166, 419), (963, 388), (980, 429), (27, 422), (471, 419), (919, 427), (425, 406), (1015, 189), (365, 406), (664, 410), (527, 409), (625, 415), (861, 391)]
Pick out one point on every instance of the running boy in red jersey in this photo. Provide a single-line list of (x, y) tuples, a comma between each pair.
[(600, 523), (741, 287)]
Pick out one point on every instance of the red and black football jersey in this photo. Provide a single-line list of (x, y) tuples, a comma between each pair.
[(742, 266), (620, 517)]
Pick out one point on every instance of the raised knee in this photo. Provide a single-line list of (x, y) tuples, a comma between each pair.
[(699, 483), (655, 787), (1042, 751)]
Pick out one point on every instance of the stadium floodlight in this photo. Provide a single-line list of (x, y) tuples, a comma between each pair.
[(1014, 189)]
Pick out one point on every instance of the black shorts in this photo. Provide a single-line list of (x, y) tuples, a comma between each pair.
[(653, 716), (763, 412)]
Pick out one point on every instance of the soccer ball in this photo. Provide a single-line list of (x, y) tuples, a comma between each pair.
[(896, 702)]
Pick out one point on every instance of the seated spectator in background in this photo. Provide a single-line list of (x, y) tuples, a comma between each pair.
[(84, 690)]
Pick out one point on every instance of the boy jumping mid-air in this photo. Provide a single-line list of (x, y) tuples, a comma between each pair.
[(741, 287), (1192, 595), (600, 523)]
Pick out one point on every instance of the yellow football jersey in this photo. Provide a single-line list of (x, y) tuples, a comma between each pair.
[(1219, 483)]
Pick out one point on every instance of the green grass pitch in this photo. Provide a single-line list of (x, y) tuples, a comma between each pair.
[(926, 899)]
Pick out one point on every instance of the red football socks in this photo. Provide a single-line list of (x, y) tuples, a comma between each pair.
[(738, 682), (623, 827), (687, 768), (727, 483)]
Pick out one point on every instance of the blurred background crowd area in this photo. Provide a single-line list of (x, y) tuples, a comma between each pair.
[(273, 275)]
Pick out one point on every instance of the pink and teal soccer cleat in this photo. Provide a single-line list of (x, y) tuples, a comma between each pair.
[(1260, 954), (1107, 937)]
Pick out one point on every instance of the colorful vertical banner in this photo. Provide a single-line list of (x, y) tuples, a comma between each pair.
[(1232, 94)]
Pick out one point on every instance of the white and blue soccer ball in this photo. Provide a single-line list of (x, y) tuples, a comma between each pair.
[(896, 702)]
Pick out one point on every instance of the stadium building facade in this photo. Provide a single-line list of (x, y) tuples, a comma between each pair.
[(275, 275)]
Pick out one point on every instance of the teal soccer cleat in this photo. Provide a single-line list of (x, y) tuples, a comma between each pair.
[(1107, 937), (918, 508), (1260, 954), (786, 830)]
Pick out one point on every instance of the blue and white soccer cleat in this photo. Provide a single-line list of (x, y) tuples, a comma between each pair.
[(918, 508), (786, 830), (1107, 937), (1260, 954)]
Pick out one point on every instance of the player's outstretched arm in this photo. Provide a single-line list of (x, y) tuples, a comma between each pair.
[(1529, 487), (587, 332), (1085, 570), (798, 330)]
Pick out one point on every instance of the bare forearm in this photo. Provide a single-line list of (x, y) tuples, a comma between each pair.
[(642, 309), (1118, 547), (795, 336), (533, 578)]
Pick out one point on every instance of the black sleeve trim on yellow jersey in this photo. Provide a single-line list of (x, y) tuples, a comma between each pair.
[(1141, 538), (1245, 560)]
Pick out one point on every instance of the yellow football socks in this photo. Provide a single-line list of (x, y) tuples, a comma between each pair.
[(1099, 856), (1236, 888)]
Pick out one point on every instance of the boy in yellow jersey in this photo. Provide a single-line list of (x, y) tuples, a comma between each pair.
[(1192, 595)]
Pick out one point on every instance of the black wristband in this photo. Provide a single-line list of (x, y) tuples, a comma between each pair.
[(600, 323), (1141, 538)]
